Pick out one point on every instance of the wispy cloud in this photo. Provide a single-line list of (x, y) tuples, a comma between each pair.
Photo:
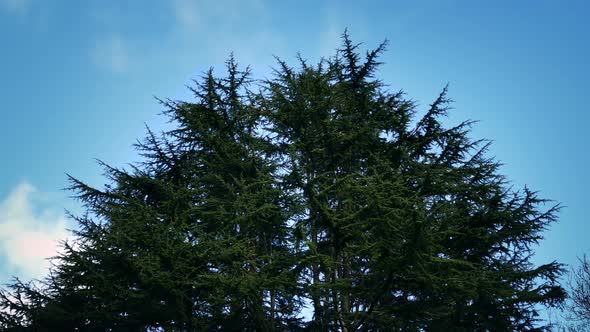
[(15, 6), (187, 13), (210, 30), (28, 235), (217, 15), (330, 37), (112, 53)]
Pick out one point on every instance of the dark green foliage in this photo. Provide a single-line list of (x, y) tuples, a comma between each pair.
[(322, 187)]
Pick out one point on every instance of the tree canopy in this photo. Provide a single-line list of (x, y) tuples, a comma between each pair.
[(314, 200)]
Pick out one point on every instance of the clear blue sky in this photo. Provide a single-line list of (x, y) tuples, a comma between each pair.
[(77, 80)]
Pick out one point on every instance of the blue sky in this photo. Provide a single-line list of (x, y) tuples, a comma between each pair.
[(77, 80)]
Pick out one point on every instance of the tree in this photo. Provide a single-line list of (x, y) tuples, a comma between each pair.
[(193, 238), (576, 311), (580, 292), (322, 186)]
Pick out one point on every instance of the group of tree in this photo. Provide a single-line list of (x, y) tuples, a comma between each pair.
[(315, 200)]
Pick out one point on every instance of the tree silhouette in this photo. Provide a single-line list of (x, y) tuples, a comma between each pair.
[(320, 186)]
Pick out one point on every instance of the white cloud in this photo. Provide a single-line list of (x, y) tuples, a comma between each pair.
[(210, 30), (216, 15), (112, 53), (27, 236), (187, 13), (15, 6), (331, 37)]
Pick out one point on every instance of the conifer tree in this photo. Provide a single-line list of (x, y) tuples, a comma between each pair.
[(321, 187)]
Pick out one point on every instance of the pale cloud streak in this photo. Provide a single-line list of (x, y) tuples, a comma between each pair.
[(28, 236), (15, 6), (187, 13), (112, 53), (191, 14), (212, 29)]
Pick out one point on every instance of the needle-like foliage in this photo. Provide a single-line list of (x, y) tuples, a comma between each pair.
[(320, 202)]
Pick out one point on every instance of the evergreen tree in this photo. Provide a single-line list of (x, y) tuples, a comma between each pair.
[(322, 187)]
